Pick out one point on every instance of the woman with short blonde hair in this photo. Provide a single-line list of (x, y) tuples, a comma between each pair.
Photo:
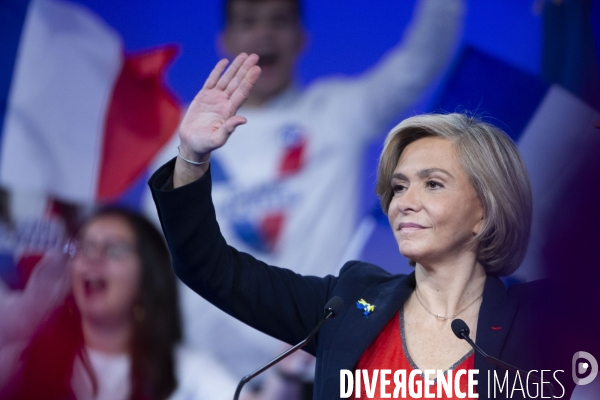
[(495, 170)]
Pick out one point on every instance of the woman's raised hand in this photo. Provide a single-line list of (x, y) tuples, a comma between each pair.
[(211, 117)]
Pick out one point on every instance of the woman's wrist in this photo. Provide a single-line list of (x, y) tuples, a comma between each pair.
[(191, 157), (189, 166)]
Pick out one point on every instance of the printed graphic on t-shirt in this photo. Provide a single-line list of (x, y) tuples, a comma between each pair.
[(294, 141), (258, 214)]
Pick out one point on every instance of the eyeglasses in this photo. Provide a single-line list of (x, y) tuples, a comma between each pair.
[(109, 250)]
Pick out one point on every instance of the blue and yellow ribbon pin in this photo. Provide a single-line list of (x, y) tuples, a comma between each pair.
[(363, 305)]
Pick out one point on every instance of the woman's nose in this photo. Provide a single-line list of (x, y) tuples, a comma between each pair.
[(409, 200)]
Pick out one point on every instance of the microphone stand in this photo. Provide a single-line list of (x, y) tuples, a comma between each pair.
[(464, 334), (491, 359), (329, 314)]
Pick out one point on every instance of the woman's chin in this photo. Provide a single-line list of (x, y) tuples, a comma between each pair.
[(91, 313), (411, 253)]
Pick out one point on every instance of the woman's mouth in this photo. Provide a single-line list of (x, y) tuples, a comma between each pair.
[(409, 227), (94, 285)]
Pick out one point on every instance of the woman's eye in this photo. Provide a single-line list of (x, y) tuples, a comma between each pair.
[(398, 188), (433, 185)]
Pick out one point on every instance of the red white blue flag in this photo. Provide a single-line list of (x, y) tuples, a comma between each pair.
[(80, 121)]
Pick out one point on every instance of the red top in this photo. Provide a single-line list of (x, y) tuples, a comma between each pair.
[(389, 352)]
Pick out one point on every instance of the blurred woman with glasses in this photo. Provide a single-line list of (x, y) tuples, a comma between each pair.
[(117, 334)]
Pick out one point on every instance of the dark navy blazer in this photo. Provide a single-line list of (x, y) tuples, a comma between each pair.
[(287, 306)]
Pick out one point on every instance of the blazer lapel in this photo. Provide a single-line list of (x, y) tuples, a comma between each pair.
[(355, 332), (361, 330), (495, 319)]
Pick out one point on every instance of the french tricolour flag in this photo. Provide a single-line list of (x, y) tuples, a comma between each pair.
[(79, 119)]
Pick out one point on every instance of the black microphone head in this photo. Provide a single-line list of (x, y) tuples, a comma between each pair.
[(334, 305), (459, 327)]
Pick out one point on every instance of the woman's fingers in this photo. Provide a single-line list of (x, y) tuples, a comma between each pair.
[(211, 118), (233, 122), (237, 80), (241, 73), (219, 138), (231, 71), (241, 92), (213, 78)]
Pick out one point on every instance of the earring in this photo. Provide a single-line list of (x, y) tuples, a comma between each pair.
[(138, 313)]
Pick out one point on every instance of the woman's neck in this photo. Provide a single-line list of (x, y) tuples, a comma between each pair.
[(446, 288), (108, 337)]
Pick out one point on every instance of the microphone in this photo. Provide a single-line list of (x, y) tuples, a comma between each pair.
[(462, 331), (332, 308)]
